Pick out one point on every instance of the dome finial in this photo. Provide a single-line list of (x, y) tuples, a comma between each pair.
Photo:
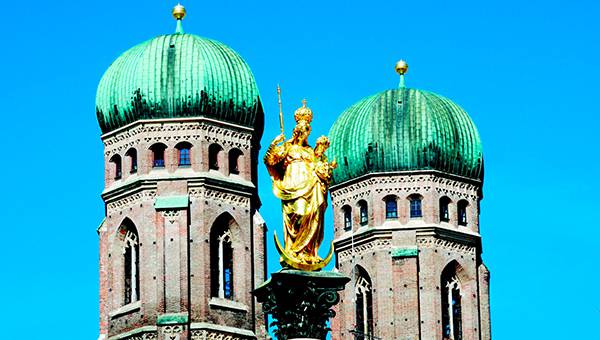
[(179, 13), (401, 69)]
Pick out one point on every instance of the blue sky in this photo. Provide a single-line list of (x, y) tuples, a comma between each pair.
[(527, 72)]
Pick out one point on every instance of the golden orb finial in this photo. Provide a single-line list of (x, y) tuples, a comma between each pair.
[(401, 67), (178, 12)]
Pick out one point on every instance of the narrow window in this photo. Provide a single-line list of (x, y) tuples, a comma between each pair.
[(116, 160), (363, 307), (451, 305), (213, 156), (347, 217), (391, 207), (415, 207), (158, 155), (131, 270), (462, 212), (234, 159), (364, 213), (132, 154), (444, 212), (221, 261), (226, 266), (184, 154)]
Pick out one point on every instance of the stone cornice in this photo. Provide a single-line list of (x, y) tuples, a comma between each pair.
[(196, 327), (120, 191), (149, 182), (465, 236), (407, 181), (378, 238), (221, 194), (433, 173), (361, 237), (137, 331), (176, 120), (198, 187), (153, 131)]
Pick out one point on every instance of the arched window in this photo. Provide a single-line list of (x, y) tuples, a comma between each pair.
[(391, 207), (116, 160), (184, 153), (364, 212), (363, 305), (444, 212), (347, 211), (132, 154), (234, 159), (415, 206), (213, 156), (462, 212), (158, 155), (221, 259), (451, 304), (131, 264)]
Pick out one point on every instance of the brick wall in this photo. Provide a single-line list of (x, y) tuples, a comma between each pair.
[(405, 257), (174, 247)]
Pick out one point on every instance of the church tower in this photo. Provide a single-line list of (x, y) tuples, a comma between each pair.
[(182, 244), (406, 215)]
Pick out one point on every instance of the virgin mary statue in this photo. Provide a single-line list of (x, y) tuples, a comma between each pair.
[(301, 177)]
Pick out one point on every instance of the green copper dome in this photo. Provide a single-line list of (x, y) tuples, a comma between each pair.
[(405, 129), (178, 75)]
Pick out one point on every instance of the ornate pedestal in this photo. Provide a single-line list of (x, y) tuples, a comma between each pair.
[(300, 302)]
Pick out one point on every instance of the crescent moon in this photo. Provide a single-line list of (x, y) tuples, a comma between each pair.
[(294, 263)]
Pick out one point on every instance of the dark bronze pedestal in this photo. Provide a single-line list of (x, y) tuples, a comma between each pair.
[(300, 301)]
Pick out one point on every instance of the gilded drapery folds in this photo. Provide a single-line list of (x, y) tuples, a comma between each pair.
[(301, 177)]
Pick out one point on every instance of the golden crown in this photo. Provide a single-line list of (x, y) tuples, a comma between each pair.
[(303, 113)]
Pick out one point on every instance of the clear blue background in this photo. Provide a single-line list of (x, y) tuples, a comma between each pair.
[(526, 71)]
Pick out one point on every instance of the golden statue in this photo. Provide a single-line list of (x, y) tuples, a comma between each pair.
[(301, 176)]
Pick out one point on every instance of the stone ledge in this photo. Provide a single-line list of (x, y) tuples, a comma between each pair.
[(463, 235), (127, 309), (223, 329), (159, 121), (227, 304), (195, 179), (338, 186), (144, 329)]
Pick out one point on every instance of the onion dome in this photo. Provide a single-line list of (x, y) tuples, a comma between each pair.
[(175, 76), (405, 129)]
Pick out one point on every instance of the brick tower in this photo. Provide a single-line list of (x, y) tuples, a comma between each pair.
[(406, 207), (182, 244)]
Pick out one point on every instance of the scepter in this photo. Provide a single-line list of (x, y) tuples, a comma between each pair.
[(280, 108)]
